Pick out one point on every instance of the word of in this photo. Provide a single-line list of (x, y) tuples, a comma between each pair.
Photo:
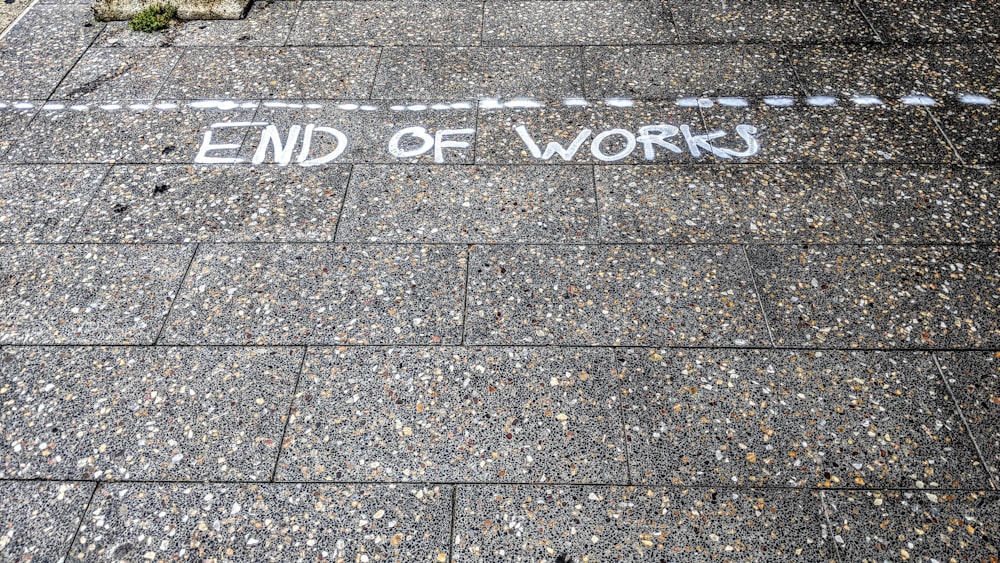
[(437, 142), (650, 137)]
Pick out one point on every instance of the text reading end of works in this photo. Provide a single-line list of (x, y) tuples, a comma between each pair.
[(411, 142)]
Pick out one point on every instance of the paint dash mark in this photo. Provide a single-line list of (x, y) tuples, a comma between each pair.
[(522, 103), (620, 102), (53, 107), (821, 101), (780, 101), (867, 101), (575, 102), (975, 100), (731, 102), (918, 100), (215, 104), (490, 103)]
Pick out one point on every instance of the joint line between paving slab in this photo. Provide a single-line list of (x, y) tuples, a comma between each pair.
[(465, 300), (70, 69), (295, 20), (668, 245), (482, 34), (597, 203), (288, 417), (665, 346), (83, 517), (169, 73), (177, 294), (343, 202), (378, 67), (994, 479), (625, 440), (877, 237), (944, 135), (756, 291), (541, 484), (871, 25), (826, 518), (86, 209), (451, 533)]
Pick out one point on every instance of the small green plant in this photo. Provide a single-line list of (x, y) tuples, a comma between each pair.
[(153, 18)]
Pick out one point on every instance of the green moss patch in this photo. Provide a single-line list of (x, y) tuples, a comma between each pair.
[(153, 18)]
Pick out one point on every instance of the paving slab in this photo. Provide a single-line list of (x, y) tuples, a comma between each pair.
[(87, 294), (612, 295), (788, 418), (174, 413), (43, 203), (115, 73), (618, 22), (38, 50), (470, 204), (267, 23), (974, 378), (231, 203), (548, 523), (770, 21), (728, 204), (837, 134), (974, 131), (914, 525), (321, 294), (594, 134), (688, 70), (929, 21), (368, 128), (135, 131), (940, 71), (381, 23), (255, 522), (273, 72), (455, 73), (929, 204), (456, 414), (39, 519), (884, 297)]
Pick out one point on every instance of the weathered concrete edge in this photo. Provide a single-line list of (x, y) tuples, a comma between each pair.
[(111, 10)]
